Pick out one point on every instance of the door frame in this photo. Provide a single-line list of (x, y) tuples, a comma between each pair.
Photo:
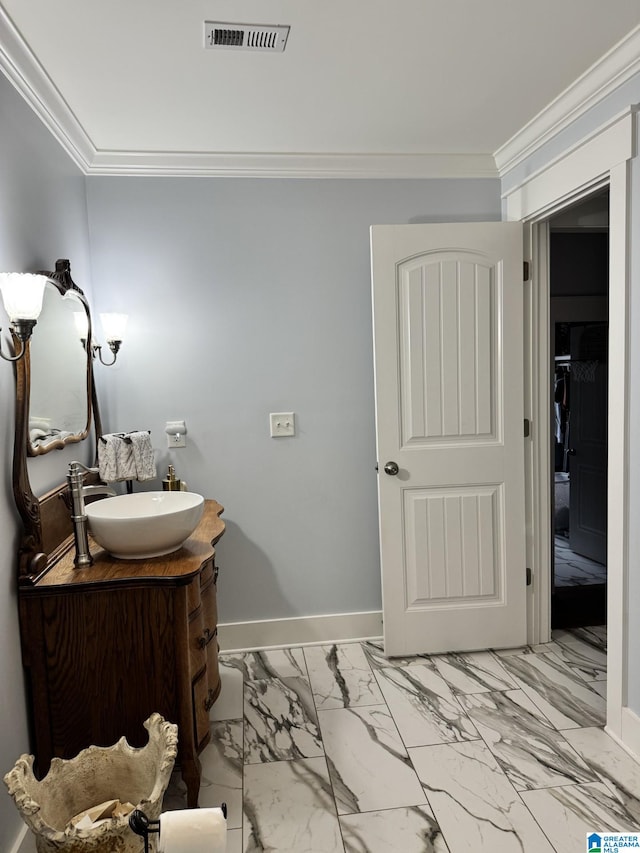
[(597, 161)]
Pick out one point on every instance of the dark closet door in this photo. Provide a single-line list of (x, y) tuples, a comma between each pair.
[(588, 441)]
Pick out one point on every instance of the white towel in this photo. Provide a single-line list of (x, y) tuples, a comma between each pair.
[(125, 460), (115, 459), (107, 457), (143, 455)]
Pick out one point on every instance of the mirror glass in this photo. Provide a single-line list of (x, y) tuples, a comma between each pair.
[(59, 374)]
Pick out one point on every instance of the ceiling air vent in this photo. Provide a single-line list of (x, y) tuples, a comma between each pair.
[(245, 36)]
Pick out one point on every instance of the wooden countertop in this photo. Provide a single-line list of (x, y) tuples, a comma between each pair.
[(174, 569)]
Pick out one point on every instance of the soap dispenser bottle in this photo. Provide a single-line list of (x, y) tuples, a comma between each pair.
[(170, 482)]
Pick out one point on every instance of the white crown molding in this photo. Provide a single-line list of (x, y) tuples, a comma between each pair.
[(612, 70), (266, 165), (23, 70), (598, 153)]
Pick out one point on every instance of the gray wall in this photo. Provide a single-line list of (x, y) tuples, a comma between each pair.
[(248, 297), (245, 297), (42, 217)]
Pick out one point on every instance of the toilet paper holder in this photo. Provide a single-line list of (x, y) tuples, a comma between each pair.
[(143, 826)]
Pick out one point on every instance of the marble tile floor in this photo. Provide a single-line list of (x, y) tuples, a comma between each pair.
[(571, 569), (335, 749)]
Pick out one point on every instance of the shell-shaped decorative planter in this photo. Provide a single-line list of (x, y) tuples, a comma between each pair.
[(138, 776)]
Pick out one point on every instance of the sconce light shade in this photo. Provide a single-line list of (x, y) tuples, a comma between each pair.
[(114, 326), (22, 294)]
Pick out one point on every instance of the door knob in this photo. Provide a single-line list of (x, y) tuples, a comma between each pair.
[(571, 451), (391, 468)]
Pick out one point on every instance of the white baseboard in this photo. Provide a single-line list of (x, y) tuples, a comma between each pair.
[(304, 631), (629, 738)]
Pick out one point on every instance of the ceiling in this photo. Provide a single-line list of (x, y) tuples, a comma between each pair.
[(128, 83)]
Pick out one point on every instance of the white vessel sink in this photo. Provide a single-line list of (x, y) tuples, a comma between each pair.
[(144, 524)]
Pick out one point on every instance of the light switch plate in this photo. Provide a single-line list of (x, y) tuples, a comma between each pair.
[(282, 424)]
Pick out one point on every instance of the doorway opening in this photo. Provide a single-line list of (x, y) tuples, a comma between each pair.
[(578, 336)]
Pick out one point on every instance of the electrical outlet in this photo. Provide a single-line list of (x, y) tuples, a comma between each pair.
[(282, 424), (176, 433)]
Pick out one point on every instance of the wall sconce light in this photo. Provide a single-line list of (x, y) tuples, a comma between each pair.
[(22, 295), (114, 326)]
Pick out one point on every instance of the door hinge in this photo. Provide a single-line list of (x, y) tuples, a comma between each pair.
[(526, 270), (527, 427), (529, 576)]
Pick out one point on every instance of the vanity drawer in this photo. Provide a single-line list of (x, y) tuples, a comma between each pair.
[(207, 573), (213, 671), (193, 596), (202, 701), (197, 643), (209, 599)]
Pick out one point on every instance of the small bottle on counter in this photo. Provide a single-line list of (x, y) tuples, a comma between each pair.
[(171, 482)]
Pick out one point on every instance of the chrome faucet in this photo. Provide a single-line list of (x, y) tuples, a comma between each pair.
[(78, 492)]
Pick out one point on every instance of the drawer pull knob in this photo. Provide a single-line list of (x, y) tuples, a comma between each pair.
[(208, 702), (207, 635)]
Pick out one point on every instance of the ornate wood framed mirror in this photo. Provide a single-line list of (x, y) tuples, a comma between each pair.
[(55, 406)]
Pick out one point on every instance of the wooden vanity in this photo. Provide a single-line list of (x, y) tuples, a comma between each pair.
[(105, 646)]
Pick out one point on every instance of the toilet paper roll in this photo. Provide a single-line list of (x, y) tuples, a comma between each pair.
[(193, 831)]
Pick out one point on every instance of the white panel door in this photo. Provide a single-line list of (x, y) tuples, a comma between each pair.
[(448, 351)]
